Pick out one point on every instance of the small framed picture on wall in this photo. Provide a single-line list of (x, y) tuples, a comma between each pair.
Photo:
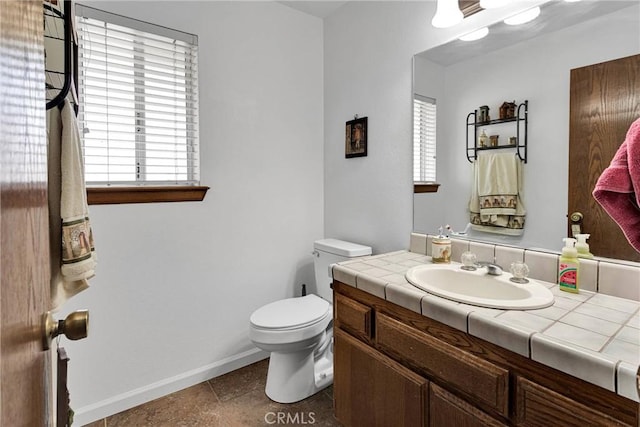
[(356, 138)]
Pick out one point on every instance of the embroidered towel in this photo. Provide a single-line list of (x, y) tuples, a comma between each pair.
[(73, 258), (496, 195), (618, 187)]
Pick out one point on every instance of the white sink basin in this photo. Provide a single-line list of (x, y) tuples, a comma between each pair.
[(479, 288)]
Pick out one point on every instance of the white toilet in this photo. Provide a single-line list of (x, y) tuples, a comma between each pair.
[(299, 331)]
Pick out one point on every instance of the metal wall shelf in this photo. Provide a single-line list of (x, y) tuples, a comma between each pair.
[(521, 120)]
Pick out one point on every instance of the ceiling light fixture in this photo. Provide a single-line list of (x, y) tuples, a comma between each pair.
[(447, 14), (492, 4), (523, 17), (475, 35)]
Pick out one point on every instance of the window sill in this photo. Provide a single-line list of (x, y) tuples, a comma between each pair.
[(425, 187), (120, 195)]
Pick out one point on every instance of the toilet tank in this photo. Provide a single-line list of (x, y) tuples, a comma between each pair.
[(331, 251)]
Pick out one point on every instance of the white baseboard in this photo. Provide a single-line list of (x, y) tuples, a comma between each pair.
[(130, 399)]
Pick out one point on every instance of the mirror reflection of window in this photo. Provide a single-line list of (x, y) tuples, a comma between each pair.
[(424, 139)]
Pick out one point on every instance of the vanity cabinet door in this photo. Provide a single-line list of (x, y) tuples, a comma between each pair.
[(478, 378), (353, 317), (371, 389), (447, 410), (538, 406)]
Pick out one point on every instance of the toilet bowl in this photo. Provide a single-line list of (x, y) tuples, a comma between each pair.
[(298, 332)]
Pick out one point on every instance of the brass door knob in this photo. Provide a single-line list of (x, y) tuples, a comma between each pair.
[(576, 223), (576, 217), (75, 327)]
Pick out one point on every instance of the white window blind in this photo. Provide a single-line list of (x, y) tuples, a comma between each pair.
[(138, 101), (424, 139)]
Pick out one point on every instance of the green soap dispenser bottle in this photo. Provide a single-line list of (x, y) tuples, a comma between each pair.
[(582, 246), (568, 267)]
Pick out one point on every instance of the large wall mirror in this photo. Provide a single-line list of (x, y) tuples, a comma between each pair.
[(530, 62)]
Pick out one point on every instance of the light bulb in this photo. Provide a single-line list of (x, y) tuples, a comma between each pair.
[(447, 14), (523, 17), (475, 35)]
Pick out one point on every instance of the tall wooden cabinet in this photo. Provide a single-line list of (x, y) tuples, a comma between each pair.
[(394, 367)]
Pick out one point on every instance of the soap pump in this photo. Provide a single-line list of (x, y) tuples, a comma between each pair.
[(441, 248), (582, 246), (568, 267)]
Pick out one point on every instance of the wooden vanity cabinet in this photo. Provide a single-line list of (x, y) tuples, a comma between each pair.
[(353, 317), (394, 367), (539, 406), (375, 390), (446, 409), (471, 375)]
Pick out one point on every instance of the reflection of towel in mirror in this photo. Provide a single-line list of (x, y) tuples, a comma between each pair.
[(73, 257), (496, 197), (618, 188)]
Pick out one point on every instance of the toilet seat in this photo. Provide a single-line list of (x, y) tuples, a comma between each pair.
[(291, 313)]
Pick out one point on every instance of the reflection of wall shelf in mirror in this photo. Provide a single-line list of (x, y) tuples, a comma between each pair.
[(521, 119)]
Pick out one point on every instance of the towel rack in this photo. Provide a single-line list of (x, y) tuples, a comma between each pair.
[(59, 38), (521, 121)]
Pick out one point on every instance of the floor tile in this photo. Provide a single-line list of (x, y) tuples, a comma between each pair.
[(236, 399), (241, 381), (194, 406)]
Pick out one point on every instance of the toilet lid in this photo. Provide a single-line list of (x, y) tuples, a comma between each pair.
[(291, 313)]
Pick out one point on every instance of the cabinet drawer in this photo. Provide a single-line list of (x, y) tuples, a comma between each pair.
[(353, 317), (482, 380), (538, 406), (446, 410)]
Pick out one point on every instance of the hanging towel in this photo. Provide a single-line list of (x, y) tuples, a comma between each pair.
[(73, 257), (496, 195), (618, 187)]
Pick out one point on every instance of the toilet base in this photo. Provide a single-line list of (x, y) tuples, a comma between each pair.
[(297, 375)]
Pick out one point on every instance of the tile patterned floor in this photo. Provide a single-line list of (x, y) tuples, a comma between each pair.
[(236, 399)]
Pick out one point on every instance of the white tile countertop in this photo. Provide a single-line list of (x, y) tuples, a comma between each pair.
[(590, 335)]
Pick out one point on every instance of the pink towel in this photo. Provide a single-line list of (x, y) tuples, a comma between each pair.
[(618, 188)]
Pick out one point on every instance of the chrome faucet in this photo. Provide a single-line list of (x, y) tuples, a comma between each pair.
[(492, 268)]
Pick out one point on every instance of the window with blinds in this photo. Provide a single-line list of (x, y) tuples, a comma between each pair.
[(138, 98), (424, 139)]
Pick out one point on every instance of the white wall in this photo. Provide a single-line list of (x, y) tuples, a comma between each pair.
[(368, 55), (176, 282), (368, 51), (537, 70)]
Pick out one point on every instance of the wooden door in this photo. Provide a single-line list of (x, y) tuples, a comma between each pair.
[(370, 389), (24, 269), (605, 100)]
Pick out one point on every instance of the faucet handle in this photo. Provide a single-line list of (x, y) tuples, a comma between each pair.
[(520, 271), (468, 260)]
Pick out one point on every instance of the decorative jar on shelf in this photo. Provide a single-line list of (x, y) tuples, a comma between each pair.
[(483, 139), (483, 114)]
